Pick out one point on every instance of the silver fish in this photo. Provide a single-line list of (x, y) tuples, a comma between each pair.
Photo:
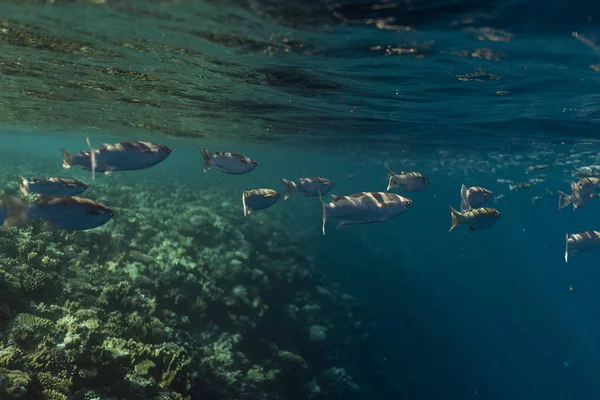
[(587, 171), (582, 192), (313, 186), (584, 241), (474, 197), (258, 199), (520, 186), (51, 187), (364, 208), (535, 168), (228, 163), (504, 181), (71, 213), (410, 181), (537, 180), (124, 156), (575, 199), (588, 185), (476, 218)]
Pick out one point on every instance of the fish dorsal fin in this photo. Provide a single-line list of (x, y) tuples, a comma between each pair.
[(103, 146), (390, 171), (402, 173)]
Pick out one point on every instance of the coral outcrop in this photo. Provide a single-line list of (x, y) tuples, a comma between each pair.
[(178, 297)]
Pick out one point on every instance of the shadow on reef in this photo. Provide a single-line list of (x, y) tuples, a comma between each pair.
[(178, 297)]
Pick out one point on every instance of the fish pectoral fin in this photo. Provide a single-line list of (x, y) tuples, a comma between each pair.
[(341, 224), (223, 170), (472, 228), (108, 172)]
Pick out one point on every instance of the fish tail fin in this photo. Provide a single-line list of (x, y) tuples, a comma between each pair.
[(563, 199), (23, 186), (512, 187), (390, 180), (67, 158), (324, 208), (17, 211), (456, 218), (246, 212), (567, 248), (207, 159), (464, 199), (92, 158), (289, 187)]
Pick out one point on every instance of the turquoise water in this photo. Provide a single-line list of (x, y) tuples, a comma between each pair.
[(179, 296)]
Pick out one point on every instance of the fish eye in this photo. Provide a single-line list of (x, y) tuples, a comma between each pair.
[(168, 150)]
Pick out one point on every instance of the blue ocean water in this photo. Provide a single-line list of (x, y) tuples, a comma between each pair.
[(464, 92)]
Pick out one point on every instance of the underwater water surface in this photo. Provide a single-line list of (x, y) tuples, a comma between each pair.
[(181, 296)]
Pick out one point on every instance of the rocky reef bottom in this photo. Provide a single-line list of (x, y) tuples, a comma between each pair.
[(178, 297)]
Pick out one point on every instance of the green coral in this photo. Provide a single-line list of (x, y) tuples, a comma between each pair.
[(54, 383), (27, 330), (255, 374), (127, 349), (16, 382), (140, 376), (161, 363), (49, 357), (50, 394), (10, 356)]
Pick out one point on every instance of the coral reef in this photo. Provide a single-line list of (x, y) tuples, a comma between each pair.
[(179, 297)]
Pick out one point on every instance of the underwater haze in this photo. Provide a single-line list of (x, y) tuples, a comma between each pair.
[(180, 295)]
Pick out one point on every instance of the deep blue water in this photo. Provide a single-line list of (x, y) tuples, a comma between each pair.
[(482, 91)]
